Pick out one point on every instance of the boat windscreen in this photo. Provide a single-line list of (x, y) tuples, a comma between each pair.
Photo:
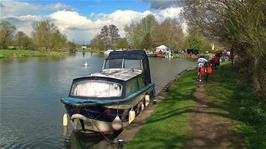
[(96, 88), (136, 64), (123, 63)]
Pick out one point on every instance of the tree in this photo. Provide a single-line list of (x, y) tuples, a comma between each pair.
[(135, 32), (113, 33), (134, 35), (121, 43), (45, 35), (98, 43), (169, 33), (6, 34), (22, 40), (147, 41), (196, 40), (58, 41), (104, 35), (109, 34)]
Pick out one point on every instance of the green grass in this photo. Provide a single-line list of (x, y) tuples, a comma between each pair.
[(5, 53), (243, 106), (169, 126), (89, 50)]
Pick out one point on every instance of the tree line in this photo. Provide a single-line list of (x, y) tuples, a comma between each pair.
[(148, 33), (45, 36), (241, 25), (109, 38)]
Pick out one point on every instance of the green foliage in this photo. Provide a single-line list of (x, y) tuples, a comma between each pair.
[(169, 33), (121, 43), (6, 34), (147, 41), (138, 33), (240, 24), (148, 33), (197, 41), (108, 38), (46, 36), (22, 41), (169, 126), (243, 105)]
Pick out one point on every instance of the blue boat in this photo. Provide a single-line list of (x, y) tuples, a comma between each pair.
[(111, 99)]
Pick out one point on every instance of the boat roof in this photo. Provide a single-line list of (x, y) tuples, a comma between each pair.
[(118, 73), (134, 55)]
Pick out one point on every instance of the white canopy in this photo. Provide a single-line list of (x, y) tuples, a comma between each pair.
[(162, 47)]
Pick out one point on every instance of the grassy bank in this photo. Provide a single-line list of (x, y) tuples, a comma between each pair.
[(169, 125), (242, 106), (5, 53)]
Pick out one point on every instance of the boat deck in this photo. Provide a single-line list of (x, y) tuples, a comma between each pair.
[(121, 74)]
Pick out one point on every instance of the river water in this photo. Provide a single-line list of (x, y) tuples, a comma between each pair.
[(30, 93)]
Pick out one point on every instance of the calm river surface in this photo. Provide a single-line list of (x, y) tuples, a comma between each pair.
[(30, 93)]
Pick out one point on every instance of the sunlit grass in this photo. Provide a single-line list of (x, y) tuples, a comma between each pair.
[(5, 53), (169, 126)]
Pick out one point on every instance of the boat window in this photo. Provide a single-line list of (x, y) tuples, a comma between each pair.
[(141, 81), (96, 88), (137, 64), (132, 86), (113, 63)]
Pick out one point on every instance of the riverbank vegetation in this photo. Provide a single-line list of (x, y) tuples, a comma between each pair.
[(150, 33), (241, 26), (244, 106), (45, 40), (5, 53), (169, 125)]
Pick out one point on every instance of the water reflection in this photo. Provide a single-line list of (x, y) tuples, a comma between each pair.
[(81, 141)]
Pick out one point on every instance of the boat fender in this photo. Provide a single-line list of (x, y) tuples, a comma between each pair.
[(65, 120), (147, 100), (142, 106), (131, 116), (117, 123)]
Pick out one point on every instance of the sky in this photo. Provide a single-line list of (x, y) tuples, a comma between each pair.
[(81, 20)]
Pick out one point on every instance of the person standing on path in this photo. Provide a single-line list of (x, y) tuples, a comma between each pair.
[(208, 71), (200, 63)]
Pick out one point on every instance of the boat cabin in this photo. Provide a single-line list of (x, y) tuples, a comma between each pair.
[(121, 76)]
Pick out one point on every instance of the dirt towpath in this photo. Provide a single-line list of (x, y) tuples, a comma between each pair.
[(210, 128)]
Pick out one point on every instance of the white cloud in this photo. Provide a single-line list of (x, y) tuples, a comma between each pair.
[(70, 19), (82, 29), (11, 8)]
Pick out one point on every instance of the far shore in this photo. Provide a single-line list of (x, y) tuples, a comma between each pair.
[(8, 53)]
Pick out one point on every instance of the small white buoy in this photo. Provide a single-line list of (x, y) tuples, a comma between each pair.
[(131, 116), (86, 64), (147, 100), (117, 123), (65, 120)]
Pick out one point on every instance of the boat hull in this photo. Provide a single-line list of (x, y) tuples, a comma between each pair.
[(99, 117)]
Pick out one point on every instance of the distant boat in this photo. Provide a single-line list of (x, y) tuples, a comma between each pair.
[(107, 52), (111, 99), (150, 53)]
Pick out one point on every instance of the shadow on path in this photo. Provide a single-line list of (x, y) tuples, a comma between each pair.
[(212, 128)]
